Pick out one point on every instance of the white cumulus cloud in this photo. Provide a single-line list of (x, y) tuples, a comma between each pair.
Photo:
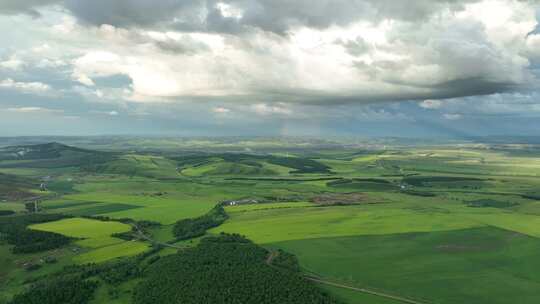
[(28, 87)]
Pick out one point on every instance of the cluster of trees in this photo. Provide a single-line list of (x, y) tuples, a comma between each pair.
[(339, 182), (28, 241), (14, 230), (491, 203), (419, 193), (286, 260), (69, 290), (531, 196), (423, 181), (120, 272), (343, 181), (6, 212), (190, 228), (226, 269)]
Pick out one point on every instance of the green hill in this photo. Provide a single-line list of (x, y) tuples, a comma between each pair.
[(50, 155)]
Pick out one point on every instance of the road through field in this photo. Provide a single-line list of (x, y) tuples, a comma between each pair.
[(274, 254), (141, 234), (363, 290)]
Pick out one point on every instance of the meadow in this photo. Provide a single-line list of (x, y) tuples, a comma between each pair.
[(442, 223)]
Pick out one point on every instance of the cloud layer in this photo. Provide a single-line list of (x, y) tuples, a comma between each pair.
[(363, 51), (272, 59)]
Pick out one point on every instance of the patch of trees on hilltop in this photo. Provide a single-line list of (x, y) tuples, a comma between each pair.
[(226, 269)]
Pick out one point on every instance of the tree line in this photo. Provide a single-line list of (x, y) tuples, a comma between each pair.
[(191, 228)]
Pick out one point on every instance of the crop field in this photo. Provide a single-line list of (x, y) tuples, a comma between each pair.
[(432, 224), (96, 236)]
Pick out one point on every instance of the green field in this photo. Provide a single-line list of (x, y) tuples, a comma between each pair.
[(479, 265), (268, 226), (435, 224), (97, 236)]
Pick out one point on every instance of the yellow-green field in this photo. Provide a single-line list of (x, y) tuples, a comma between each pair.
[(96, 236)]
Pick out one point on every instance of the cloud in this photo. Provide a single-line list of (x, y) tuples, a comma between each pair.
[(452, 116), (84, 79), (28, 110), (13, 63), (533, 46), (97, 64), (430, 104), (265, 109), (368, 51), (221, 110), (27, 87), (272, 55), (106, 113), (235, 16), (41, 48), (47, 63), (29, 7), (497, 105), (184, 44), (126, 13)]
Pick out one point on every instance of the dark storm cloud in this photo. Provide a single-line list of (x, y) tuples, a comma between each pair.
[(276, 16), (127, 13), (450, 89), (185, 45)]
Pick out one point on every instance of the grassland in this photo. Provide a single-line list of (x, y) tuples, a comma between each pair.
[(441, 224)]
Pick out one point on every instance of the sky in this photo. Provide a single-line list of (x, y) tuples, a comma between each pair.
[(366, 68)]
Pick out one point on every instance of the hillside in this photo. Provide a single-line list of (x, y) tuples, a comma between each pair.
[(50, 155)]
